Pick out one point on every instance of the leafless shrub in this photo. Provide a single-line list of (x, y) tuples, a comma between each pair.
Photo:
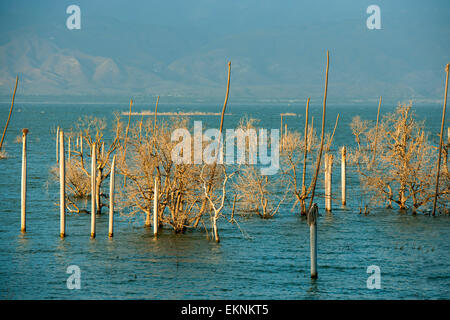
[(89, 130), (401, 168)]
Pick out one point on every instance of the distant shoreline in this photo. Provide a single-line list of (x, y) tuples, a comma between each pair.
[(195, 113)]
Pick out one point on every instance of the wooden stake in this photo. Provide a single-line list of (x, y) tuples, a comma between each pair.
[(69, 147), (111, 198), (441, 141), (10, 112), (343, 175), (24, 180), (93, 187), (328, 177), (312, 222), (62, 186), (155, 207)]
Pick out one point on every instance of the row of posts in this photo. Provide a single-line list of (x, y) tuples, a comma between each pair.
[(60, 158), (328, 166), (328, 161)]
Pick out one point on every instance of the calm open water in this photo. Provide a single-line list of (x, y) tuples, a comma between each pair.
[(270, 262)]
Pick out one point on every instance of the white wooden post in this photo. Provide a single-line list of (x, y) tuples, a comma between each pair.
[(68, 147), (328, 180), (325, 172), (155, 207), (312, 222), (24, 181), (111, 198), (93, 188), (57, 144), (62, 186), (343, 175)]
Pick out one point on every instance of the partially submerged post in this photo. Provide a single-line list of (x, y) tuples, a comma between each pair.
[(68, 147), (62, 186), (93, 187), (343, 175), (111, 198), (155, 207), (312, 222), (440, 141), (328, 180), (57, 144), (24, 181)]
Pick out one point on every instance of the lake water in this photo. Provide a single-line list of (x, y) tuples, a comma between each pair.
[(270, 262)]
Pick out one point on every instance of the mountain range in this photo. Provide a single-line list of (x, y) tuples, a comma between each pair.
[(109, 56)]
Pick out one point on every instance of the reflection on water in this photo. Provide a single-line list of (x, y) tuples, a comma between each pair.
[(272, 263)]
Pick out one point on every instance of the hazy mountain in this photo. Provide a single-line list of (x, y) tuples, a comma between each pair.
[(276, 59)]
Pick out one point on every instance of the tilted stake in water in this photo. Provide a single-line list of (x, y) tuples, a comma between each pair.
[(10, 112), (24, 180), (440, 141)]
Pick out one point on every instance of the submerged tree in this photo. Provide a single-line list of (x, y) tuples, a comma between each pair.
[(80, 141), (298, 156), (395, 160)]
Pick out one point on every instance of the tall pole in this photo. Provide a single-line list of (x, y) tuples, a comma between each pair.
[(312, 222), (111, 198), (24, 180), (155, 207), (93, 187), (57, 144), (343, 175), (69, 147), (10, 112), (328, 180), (440, 141), (62, 186)]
